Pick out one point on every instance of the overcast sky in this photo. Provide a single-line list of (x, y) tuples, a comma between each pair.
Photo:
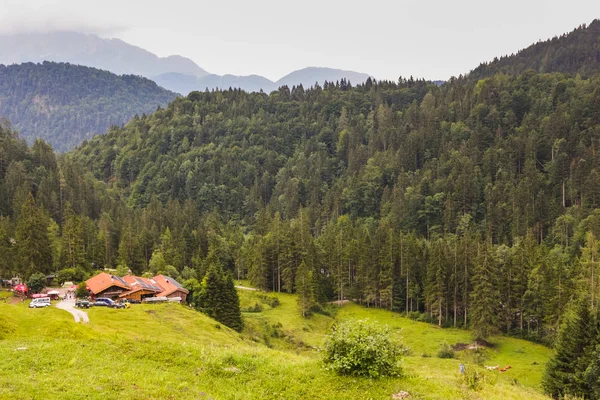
[(385, 38)]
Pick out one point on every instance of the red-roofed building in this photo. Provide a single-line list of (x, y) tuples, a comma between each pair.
[(135, 287), (106, 285), (141, 288), (171, 288)]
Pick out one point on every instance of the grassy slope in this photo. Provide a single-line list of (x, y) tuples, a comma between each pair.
[(170, 352)]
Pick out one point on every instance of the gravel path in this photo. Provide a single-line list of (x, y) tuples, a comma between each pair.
[(69, 305)]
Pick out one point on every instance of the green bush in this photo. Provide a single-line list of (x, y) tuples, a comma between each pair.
[(36, 283), (446, 351), (82, 291), (362, 348)]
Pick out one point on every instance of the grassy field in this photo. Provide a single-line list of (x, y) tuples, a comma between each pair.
[(167, 351)]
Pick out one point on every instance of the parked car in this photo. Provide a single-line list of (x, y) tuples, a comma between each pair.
[(103, 302), (121, 304), (134, 301), (83, 304), (40, 302)]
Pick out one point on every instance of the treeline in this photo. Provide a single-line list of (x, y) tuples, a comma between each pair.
[(577, 52), (66, 104)]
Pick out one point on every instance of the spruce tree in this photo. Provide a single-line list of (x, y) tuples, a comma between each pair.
[(72, 234), (218, 298), (305, 289), (32, 242), (232, 315), (565, 372), (485, 296)]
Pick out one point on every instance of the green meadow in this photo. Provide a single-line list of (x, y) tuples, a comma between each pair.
[(169, 351)]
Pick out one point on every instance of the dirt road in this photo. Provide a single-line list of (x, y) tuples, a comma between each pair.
[(69, 305)]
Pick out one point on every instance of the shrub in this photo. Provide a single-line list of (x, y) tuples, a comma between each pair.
[(361, 348), (36, 282), (253, 309), (446, 351), (82, 291)]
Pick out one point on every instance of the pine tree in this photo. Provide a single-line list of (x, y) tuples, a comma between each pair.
[(590, 268), (232, 315), (33, 245), (72, 234), (565, 372), (485, 296), (219, 299), (436, 279), (129, 250), (305, 289)]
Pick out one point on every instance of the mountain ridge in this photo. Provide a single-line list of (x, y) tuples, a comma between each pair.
[(65, 104), (175, 72), (114, 55), (306, 77), (575, 52)]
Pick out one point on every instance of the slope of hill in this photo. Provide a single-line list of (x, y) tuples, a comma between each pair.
[(65, 104), (577, 52), (155, 351), (90, 50), (307, 77)]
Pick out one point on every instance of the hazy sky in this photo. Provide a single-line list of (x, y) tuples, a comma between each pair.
[(385, 38)]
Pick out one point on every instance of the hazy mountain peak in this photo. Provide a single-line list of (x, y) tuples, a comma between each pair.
[(113, 55)]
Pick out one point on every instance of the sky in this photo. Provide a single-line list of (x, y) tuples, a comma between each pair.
[(384, 38)]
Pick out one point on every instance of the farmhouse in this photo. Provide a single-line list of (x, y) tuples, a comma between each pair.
[(141, 288), (106, 285), (171, 288), (135, 287)]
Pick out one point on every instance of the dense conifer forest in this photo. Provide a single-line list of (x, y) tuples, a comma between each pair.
[(65, 104), (472, 204)]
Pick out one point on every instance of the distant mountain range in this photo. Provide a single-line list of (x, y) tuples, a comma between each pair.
[(113, 55), (184, 84), (66, 104), (175, 73)]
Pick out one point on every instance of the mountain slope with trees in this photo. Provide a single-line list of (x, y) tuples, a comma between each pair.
[(463, 201), (66, 104), (577, 52), (472, 204)]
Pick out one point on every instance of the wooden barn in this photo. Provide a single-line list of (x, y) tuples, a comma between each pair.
[(135, 287), (106, 285), (171, 288), (141, 288)]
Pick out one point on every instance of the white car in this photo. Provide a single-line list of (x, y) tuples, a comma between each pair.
[(40, 302)]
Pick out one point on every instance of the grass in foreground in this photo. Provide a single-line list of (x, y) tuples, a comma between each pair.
[(167, 351)]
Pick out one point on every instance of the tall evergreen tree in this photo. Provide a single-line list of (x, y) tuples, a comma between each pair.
[(485, 296), (219, 299), (305, 289), (565, 372), (72, 235), (32, 242)]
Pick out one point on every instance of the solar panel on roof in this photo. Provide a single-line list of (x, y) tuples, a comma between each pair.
[(174, 282), (119, 279)]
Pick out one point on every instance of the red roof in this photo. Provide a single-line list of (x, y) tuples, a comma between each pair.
[(169, 285), (103, 281), (161, 285), (137, 283)]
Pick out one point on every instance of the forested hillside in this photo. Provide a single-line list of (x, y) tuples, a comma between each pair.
[(65, 104), (577, 52), (470, 204)]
